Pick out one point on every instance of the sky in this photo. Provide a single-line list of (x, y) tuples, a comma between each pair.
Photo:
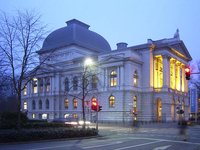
[(130, 21)]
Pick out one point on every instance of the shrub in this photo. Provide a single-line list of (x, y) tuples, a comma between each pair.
[(44, 134)]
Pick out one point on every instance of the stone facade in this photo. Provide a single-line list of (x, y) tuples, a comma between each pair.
[(142, 79)]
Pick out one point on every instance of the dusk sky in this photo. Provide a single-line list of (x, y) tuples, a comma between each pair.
[(130, 21)]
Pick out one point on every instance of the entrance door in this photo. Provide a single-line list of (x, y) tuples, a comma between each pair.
[(159, 110)]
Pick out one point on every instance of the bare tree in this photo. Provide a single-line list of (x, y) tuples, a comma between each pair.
[(20, 37), (195, 80), (88, 84)]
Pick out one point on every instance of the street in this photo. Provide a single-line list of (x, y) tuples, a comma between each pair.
[(150, 137)]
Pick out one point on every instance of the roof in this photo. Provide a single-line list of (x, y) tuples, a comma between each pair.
[(75, 33)]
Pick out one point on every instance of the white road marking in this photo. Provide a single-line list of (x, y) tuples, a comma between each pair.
[(162, 147), (96, 146), (127, 147)]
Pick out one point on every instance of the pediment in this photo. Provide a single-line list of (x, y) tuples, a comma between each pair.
[(180, 50), (112, 58)]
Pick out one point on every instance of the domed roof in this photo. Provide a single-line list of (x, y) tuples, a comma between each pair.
[(76, 33)]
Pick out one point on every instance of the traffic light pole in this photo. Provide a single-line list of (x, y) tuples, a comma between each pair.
[(97, 121)]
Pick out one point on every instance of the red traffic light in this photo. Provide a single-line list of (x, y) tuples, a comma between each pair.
[(94, 105), (187, 73)]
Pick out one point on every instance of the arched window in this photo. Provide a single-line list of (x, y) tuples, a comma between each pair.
[(135, 78), (66, 103), (41, 85), (33, 104), (25, 105), (25, 90), (111, 101), (135, 102), (35, 84), (47, 104), (47, 84), (40, 104), (75, 83), (94, 82), (113, 78), (75, 103), (66, 84)]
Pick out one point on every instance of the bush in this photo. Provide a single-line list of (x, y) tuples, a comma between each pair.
[(44, 134), (8, 120)]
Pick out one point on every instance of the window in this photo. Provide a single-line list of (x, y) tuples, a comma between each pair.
[(75, 116), (35, 83), (94, 82), (75, 83), (47, 84), (47, 104), (66, 115), (33, 104), (25, 105), (135, 107), (66, 103), (111, 101), (44, 116), (25, 90), (135, 78), (75, 103), (41, 85), (158, 72), (33, 116), (113, 78), (40, 104), (66, 84)]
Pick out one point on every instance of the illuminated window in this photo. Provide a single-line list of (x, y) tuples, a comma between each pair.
[(75, 103), (47, 104), (172, 73), (33, 104), (41, 85), (47, 84), (25, 90), (66, 84), (66, 103), (75, 83), (75, 116), (135, 79), (44, 116), (94, 82), (135, 102), (177, 75), (33, 116), (113, 78), (111, 101), (66, 115), (25, 105), (40, 104), (35, 84), (158, 72)]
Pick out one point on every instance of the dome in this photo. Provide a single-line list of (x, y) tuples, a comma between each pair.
[(75, 33)]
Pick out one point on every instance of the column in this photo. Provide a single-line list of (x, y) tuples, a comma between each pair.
[(106, 79), (122, 77), (166, 71)]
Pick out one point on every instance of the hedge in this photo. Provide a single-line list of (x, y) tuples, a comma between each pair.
[(44, 134)]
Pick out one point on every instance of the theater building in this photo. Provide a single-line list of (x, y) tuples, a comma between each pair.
[(143, 82)]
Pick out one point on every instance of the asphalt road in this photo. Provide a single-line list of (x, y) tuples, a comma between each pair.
[(123, 138)]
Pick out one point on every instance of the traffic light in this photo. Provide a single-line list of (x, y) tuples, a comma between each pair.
[(100, 108), (94, 106), (187, 73)]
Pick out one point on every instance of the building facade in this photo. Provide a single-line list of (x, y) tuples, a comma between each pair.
[(144, 82)]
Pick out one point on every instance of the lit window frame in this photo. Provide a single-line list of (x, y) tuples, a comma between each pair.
[(75, 103), (113, 78), (111, 101), (66, 103), (25, 105)]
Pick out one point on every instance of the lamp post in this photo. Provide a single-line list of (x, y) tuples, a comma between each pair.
[(88, 62)]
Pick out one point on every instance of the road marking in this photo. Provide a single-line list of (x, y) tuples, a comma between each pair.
[(162, 147), (138, 145), (52, 147), (96, 146), (163, 140)]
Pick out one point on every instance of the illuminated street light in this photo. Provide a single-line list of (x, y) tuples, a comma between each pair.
[(88, 62)]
